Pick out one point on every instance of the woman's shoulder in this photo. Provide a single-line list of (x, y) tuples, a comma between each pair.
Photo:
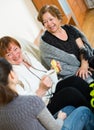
[(23, 101), (34, 100), (71, 29), (46, 35), (68, 26)]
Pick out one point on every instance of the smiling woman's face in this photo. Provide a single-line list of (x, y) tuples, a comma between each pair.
[(51, 23), (14, 54)]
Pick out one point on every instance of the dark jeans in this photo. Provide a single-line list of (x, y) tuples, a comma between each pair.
[(71, 91)]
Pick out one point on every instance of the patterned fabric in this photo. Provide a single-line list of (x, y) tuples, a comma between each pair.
[(21, 114)]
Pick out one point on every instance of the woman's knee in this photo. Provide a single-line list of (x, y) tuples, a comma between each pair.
[(83, 108), (84, 111)]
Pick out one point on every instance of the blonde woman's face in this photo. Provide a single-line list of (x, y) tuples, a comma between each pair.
[(14, 54), (51, 23)]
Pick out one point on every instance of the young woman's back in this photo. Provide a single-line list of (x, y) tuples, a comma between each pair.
[(21, 114)]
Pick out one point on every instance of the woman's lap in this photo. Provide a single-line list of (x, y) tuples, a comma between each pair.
[(77, 119), (65, 97), (75, 82)]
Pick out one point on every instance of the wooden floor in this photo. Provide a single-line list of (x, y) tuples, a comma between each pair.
[(88, 26)]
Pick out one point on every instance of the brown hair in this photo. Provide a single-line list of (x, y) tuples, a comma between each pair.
[(5, 43), (52, 9), (6, 94)]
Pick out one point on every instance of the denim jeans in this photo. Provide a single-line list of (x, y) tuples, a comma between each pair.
[(90, 125), (67, 109), (80, 118)]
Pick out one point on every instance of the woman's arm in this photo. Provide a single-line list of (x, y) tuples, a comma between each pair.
[(48, 121), (83, 70), (45, 84)]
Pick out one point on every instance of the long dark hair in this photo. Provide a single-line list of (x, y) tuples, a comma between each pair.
[(6, 94)]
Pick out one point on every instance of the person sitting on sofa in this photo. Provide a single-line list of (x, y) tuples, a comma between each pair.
[(65, 44)]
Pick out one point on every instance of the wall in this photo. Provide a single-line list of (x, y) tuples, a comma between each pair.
[(18, 18), (65, 6)]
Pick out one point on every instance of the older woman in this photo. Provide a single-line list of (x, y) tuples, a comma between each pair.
[(64, 43), (67, 45)]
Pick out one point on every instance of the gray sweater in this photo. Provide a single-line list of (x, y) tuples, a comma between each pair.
[(27, 113)]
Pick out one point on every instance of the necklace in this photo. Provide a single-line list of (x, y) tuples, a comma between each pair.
[(50, 93), (28, 65), (34, 73)]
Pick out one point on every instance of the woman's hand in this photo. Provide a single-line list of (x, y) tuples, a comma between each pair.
[(45, 84), (62, 115), (83, 71)]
